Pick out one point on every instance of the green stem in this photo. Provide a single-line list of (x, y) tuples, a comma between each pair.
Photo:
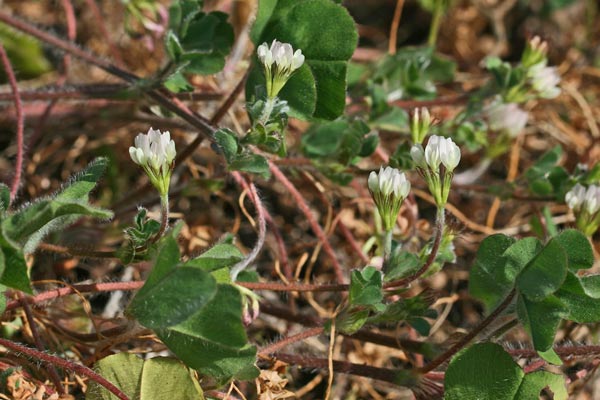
[(435, 23), (266, 114), (164, 217), (387, 246), (439, 233)]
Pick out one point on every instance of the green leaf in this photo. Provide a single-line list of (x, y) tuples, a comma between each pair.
[(253, 163), (394, 120), (162, 377), (487, 280), (207, 41), (405, 310), (219, 256), (173, 299), (537, 173), (518, 255), (535, 382), (578, 248), (351, 320), (366, 287), (28, 226), (13, 268), (326, 34), (227, 141), (483, 371), (124, 370), (172, 292), (81, 184), (166, 260), (154, 379), (202, 344), (581, 298), (545, 273), (540, 320), (401, 264), (4, 198), (339, 141)]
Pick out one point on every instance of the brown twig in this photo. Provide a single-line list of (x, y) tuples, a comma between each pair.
[(394, 27)]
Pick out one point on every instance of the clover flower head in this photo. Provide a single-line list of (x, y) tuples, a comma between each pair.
[(279, 61), (439, 151), (442, 150), (591, 201), (388, 182), (389, 188), (544, 80), (575, 197), (585, 204), (506, 117), (155, 153)]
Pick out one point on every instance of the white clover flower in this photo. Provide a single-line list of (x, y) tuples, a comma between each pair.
[(591, 201), (544, 80), (418, 155), (439, 151), (585, 204), (280, 61), (442, 150), (389, 182), (389, 188), (506, 117), (575, 197), (155, 153)]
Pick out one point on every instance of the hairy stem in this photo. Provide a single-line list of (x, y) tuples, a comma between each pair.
[(470, 336), (12, 80), (52, 373), (439, 233), (62, 363)]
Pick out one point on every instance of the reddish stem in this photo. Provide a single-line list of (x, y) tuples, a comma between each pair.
[(339, 272), (468, 337), (439, 232), (272, 348), (382, 374), (12, 80), (62, 363), (295, 287), (83, 288), (39, 343)]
